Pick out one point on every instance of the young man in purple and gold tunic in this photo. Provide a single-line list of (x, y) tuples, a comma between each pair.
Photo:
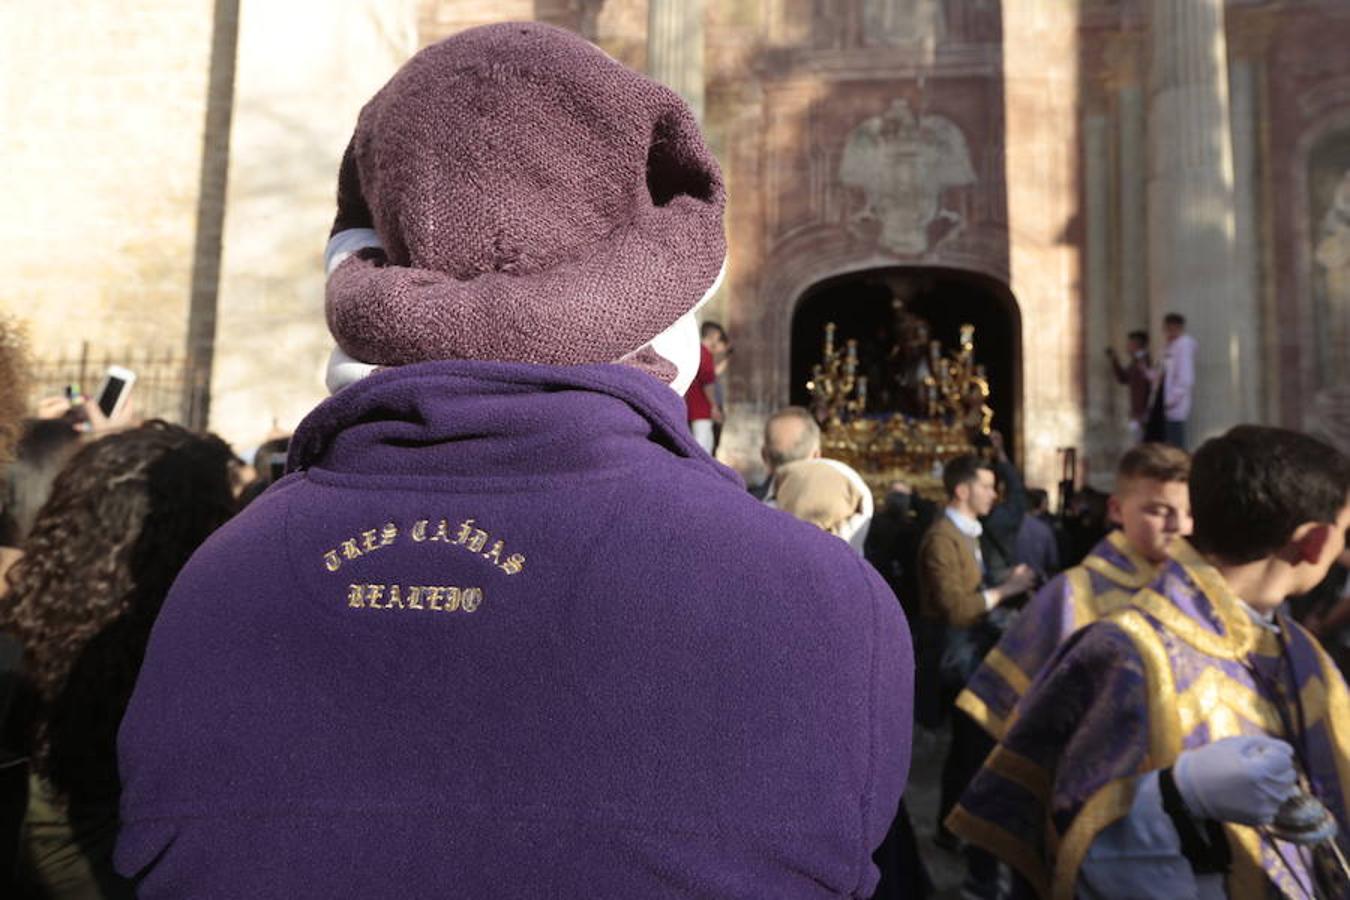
[(1152, 506), (1152, 756)]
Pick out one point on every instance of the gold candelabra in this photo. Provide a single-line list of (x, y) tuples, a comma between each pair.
[(955, 394)]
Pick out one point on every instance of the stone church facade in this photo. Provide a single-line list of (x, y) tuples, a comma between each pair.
[(1057, 172)]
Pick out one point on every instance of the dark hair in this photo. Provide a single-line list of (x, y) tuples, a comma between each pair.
[(43, 448), (1161, 462), (1037, 499), (1174, 319), (1254, 485), (270, 455), (708, 328), (963, 470), (1140, 336), (123, 517)]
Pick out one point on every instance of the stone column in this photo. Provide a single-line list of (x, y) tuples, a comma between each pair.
[(1192, 228), (1132, 251), (675, 58), (201, 330), (295, 106), (1097, 312), (675, 48)]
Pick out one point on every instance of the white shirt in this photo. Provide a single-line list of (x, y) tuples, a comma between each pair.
[(1178, 378), (972, 529)]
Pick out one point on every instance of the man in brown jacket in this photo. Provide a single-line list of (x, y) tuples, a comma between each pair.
[(955, 605)]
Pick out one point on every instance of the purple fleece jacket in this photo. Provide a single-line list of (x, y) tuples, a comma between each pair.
[(505, 631)]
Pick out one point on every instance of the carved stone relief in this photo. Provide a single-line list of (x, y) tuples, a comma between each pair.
[(903, 163)]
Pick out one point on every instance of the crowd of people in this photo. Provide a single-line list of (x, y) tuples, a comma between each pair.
[(493, 621), (1259, 579)]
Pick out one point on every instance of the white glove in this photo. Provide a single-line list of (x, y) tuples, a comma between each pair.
[(1237, 779)]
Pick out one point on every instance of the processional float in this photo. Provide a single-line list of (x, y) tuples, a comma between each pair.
[(947, 396)]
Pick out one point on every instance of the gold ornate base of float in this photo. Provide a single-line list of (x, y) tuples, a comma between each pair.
[(885, 451), (952, 391)]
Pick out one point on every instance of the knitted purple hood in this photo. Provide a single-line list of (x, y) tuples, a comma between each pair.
[(505, 632)]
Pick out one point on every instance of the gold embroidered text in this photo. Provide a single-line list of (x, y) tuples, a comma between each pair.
[(368, 541), (465, 535), (428, 597)]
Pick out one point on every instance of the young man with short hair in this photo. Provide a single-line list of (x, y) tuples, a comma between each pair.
[(1151, 504), (957, 613), (1170, 404), (1153, 755)]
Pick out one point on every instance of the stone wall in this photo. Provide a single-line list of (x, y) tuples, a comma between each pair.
[(1006, 139), (295, 107), (99, 167)]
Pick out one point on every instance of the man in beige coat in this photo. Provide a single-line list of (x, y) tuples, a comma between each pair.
[(957, 606)]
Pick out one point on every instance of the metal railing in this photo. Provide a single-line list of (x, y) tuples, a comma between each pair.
[(166, 384)]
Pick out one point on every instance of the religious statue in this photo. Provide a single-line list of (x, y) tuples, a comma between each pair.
[(908, 358)]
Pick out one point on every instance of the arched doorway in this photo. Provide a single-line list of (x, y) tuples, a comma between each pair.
[(861, 304)]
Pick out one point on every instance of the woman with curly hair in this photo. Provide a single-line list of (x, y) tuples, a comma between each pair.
[(123, 517), (13, 401), (13, 383)]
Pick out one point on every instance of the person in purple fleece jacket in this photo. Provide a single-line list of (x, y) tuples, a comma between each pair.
[(504, 630)]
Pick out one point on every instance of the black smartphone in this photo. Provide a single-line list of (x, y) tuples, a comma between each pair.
[(112, 396)]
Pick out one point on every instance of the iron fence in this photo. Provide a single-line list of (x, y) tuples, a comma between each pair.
[(166, 384)]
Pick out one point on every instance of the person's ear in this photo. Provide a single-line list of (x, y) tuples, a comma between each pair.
[(1114, 512), (1310, 540), (815, 454)]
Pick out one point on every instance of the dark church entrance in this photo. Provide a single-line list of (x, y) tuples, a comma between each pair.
[(862, 306)]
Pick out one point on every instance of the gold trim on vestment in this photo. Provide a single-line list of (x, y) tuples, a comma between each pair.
[(1214, 689), (1223, 701), (1080, 597), (1113, 801), (1334, 702), (1002, 843), (1235, 644), (1164, 720), (1109, 805), (1008, 670), (1020, 771), (1247, 877), (970, 703), (1184, 552), (1241, 636), (1111, 600), (1144, 571)]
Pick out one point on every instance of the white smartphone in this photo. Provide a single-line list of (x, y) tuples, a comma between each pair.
[(112, 396)]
